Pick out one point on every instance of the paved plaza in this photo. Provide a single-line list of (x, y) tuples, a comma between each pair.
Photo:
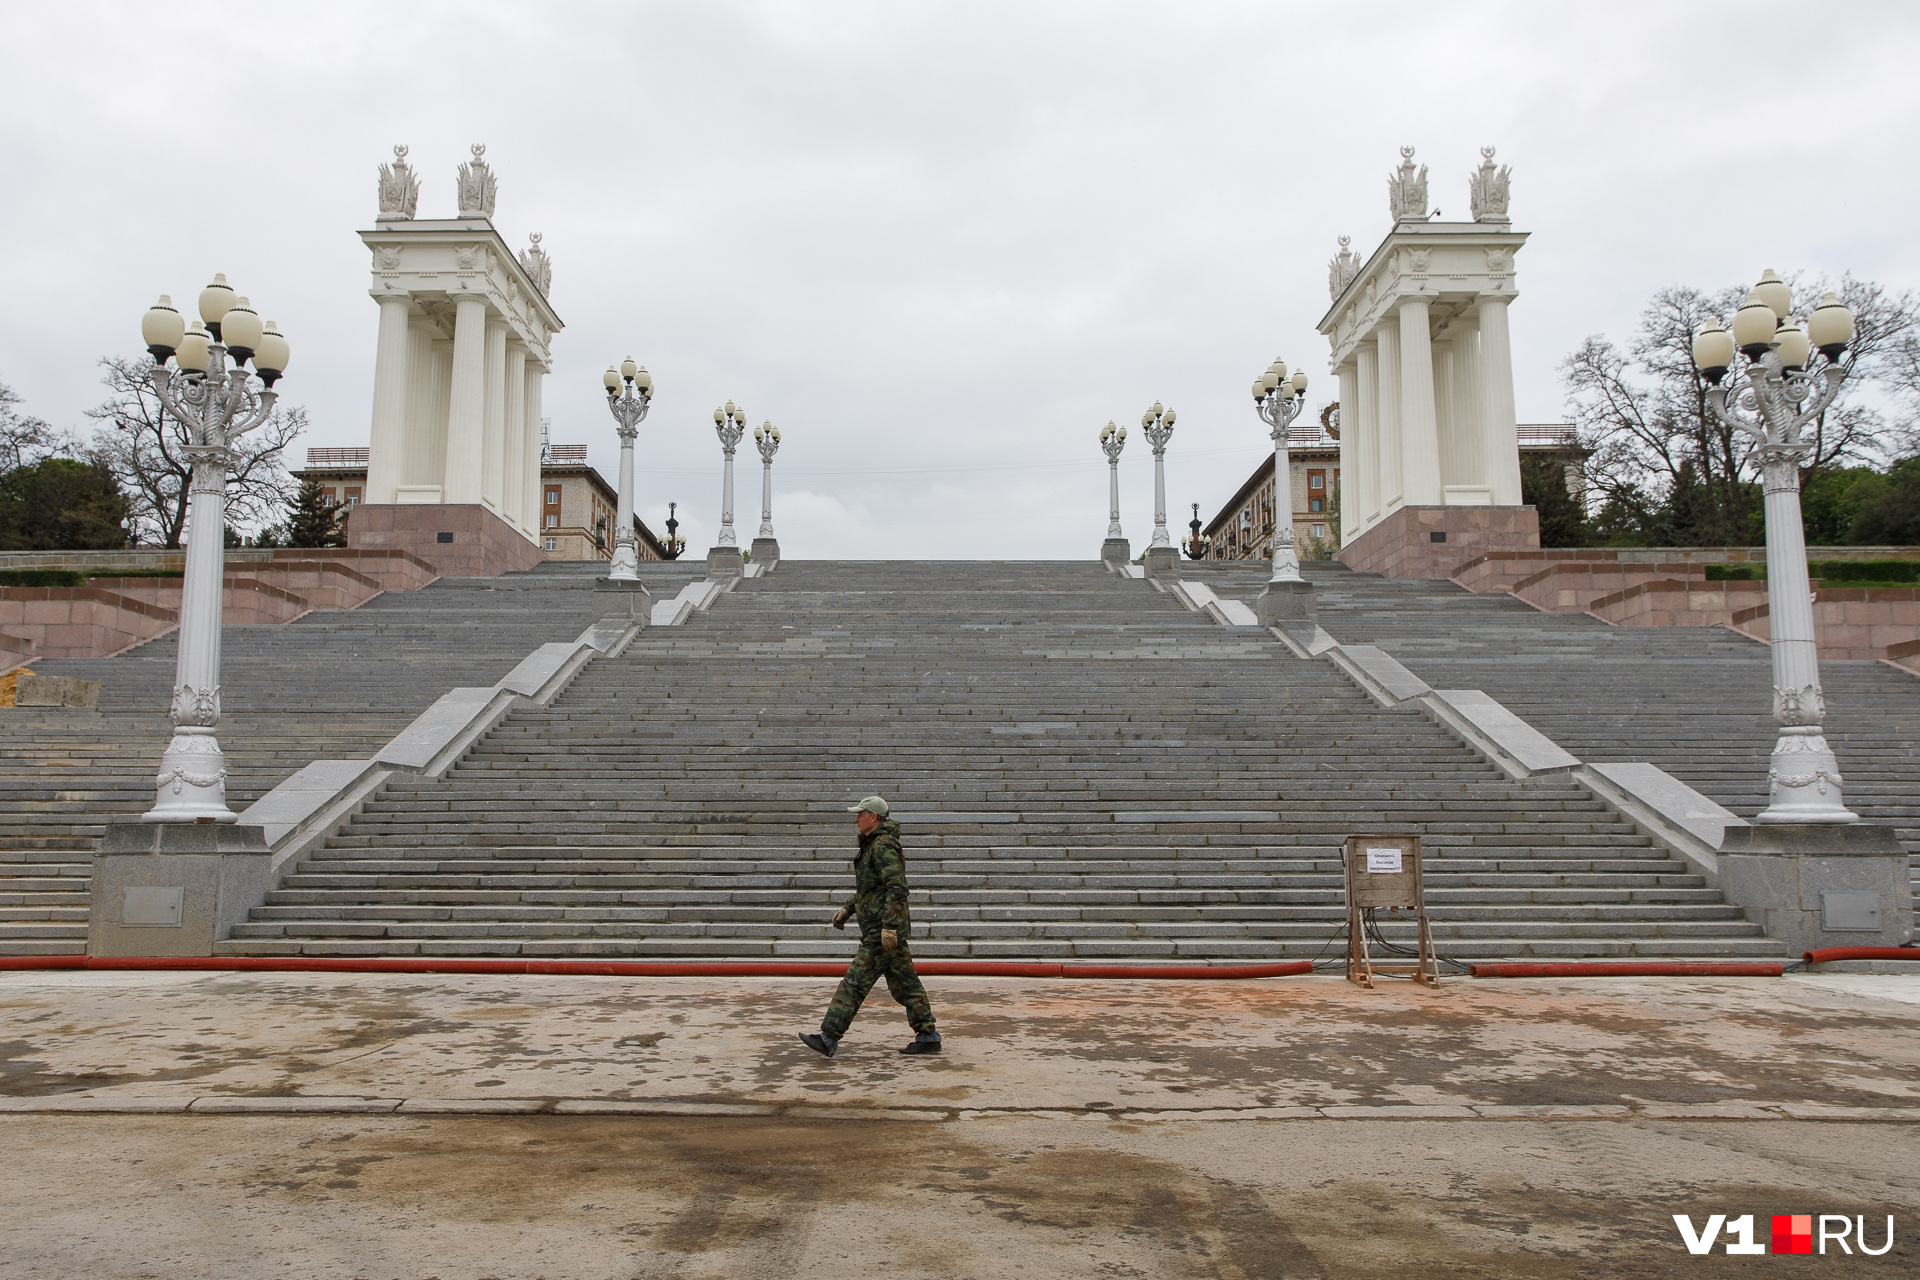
[(416, 1126)]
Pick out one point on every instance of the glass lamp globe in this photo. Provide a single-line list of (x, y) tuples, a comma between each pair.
[(161, 328), (1713, 350), (628, 368), (611, 380), (192, 354), (1754, 325), (1773, 291), (241, 329), (1793, 346), (643, 380), (215, 301), (270, 354), (1830, 327)]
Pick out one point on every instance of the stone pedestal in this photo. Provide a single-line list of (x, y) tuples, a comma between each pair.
[(1839, 885), (1160, 560), (461, 540), (725, 562), (1284, 602), (1115, 552), (766, 551), (174, 889), (1430, 542), (623, 599)]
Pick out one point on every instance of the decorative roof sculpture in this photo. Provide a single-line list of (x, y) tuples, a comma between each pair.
[(1407, 191), (1488, 189), (399, 189), (1342, 268), (478, 186), (538, 266)]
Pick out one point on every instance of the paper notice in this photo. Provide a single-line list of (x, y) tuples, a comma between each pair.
[(1383, 861)]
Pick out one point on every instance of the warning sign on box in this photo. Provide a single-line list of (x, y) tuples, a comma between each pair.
[(1383, 861)]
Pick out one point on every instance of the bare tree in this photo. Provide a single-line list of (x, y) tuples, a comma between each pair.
[(146, 448), (24, 440), (1656, 449)]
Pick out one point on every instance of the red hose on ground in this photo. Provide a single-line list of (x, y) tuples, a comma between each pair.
[(651, 969), (1632, 969), (1823, 954)]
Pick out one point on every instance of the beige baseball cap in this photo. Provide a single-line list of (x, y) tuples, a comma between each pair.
[(872, 804)]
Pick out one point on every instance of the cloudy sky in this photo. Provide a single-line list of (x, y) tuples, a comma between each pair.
[(938, 243)]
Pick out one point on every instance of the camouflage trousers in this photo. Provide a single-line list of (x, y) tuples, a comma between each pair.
[(870, 964)]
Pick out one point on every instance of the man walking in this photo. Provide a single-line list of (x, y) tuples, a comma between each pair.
[(880, 900)]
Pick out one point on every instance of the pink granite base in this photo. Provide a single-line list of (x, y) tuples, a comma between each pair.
[(463, 540), (1403, 545)]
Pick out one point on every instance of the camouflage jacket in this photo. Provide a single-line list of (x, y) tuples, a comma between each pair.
[(880, 883)]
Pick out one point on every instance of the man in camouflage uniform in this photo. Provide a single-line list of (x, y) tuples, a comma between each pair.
[(880, 900)]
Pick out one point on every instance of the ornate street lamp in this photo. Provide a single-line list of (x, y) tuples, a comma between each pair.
[(1278, 399), (1196, 546), (1785, 392), (218, 404), (674, 544), (1158, 424), (629, 394), (729, 423), (766, 548), (1115, 550)]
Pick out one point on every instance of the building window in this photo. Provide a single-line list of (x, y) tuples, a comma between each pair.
[(353, 496), (553, 497), (330, 496), (1316, 505), (553, 520), (1316, 479), (553, 544), (1319, 531)]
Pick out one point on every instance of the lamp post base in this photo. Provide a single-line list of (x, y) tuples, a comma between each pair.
[(618, 599), (193, 779), (625, 565), (174, 889), (1836, 885), (1160, 560), (1115, 552), (766, 551), (1284, 602), (725, 562)]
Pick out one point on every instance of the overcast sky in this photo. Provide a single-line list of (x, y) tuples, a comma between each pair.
[(938, 244)]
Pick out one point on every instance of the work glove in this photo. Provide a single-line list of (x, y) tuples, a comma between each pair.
[(889, 939), (840, 918)]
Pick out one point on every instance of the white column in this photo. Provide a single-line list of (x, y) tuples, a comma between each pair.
[(423, 459), (1469, 440), (387, 441), (1390, 461), (467, 405), (1446, 425), (530, 491), (494, 441), (1419, 432), (1364, 508), (514, 456), (1499, 432), (1350, 510)]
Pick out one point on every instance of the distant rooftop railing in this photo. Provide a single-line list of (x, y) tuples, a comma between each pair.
[(337, 457), (1556, 434), (1308, 436), (566, 453)]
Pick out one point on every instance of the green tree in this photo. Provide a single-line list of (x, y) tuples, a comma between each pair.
[(1543, 486), (1892, 517), (61, 504), (1830, 502), (313, 522)]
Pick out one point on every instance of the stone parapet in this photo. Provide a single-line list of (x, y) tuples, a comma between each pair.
[(1432, 542), (460, 540), (1849, 622), (81, 622)]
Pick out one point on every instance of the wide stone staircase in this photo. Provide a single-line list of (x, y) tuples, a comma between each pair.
[(1083, 769), (1696, 701), (333, 685)]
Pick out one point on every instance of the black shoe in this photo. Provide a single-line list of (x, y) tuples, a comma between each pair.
[(925, 1042), (820, 1044)]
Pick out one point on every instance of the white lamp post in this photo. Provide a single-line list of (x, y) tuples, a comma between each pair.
[(1157, 422), (1784, 392), (1115, 550), (629, 394), (218, 404), (729, 423), (766, 548), (1277, 399)]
